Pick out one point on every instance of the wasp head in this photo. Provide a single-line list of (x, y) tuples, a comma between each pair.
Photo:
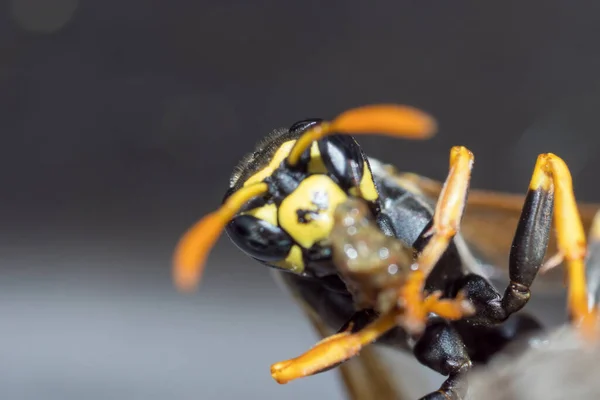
[(288, 227), (279, 208)]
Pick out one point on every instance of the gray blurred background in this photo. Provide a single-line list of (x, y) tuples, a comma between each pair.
[(121, 121)]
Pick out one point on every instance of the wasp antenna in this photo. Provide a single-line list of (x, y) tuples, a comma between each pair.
[(193, 248), (387, 119), (383, 119)]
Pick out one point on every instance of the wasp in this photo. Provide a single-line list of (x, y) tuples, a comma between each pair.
[(291, 205)]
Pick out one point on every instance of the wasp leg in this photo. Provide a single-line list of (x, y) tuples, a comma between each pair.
[(449, 209), (450, 348), (592, 265), (526, 256), (571, 241), (365, 377), (332, 350), (446, 223), (335, 349), (442, 349), (550, 192)]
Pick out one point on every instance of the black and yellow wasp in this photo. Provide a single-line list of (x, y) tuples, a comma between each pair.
[(425, 289)]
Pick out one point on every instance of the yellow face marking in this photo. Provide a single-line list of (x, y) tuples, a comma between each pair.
[(316, 165), (307, 213), (368, 191), (293, 262), (266, 213), (281, 153)]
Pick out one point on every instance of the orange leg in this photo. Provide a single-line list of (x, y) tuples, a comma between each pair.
[(571, 241), (331, 351), (591, 327), (446, 224), (341, 347), (592, 263)]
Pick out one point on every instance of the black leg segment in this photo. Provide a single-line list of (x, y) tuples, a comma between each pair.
[(529, 247), (526, 256), (442, 349)]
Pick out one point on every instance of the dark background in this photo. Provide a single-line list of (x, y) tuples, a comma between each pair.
[(121, 121)]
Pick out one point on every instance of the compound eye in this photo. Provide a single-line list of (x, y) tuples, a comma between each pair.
[(343, 158), (258, 238), (303, 125)]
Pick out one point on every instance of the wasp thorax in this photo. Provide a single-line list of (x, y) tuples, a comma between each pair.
[(370, 262)]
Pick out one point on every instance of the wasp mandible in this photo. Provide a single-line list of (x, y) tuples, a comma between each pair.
[(280, 209)]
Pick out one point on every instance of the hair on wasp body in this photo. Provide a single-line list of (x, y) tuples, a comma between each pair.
[(290, 206)]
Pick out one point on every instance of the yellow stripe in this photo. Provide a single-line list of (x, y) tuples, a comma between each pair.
[(316, 165), (281, 153)]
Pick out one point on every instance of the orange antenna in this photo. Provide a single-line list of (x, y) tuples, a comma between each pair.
[(193, 248), (386, 119)]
